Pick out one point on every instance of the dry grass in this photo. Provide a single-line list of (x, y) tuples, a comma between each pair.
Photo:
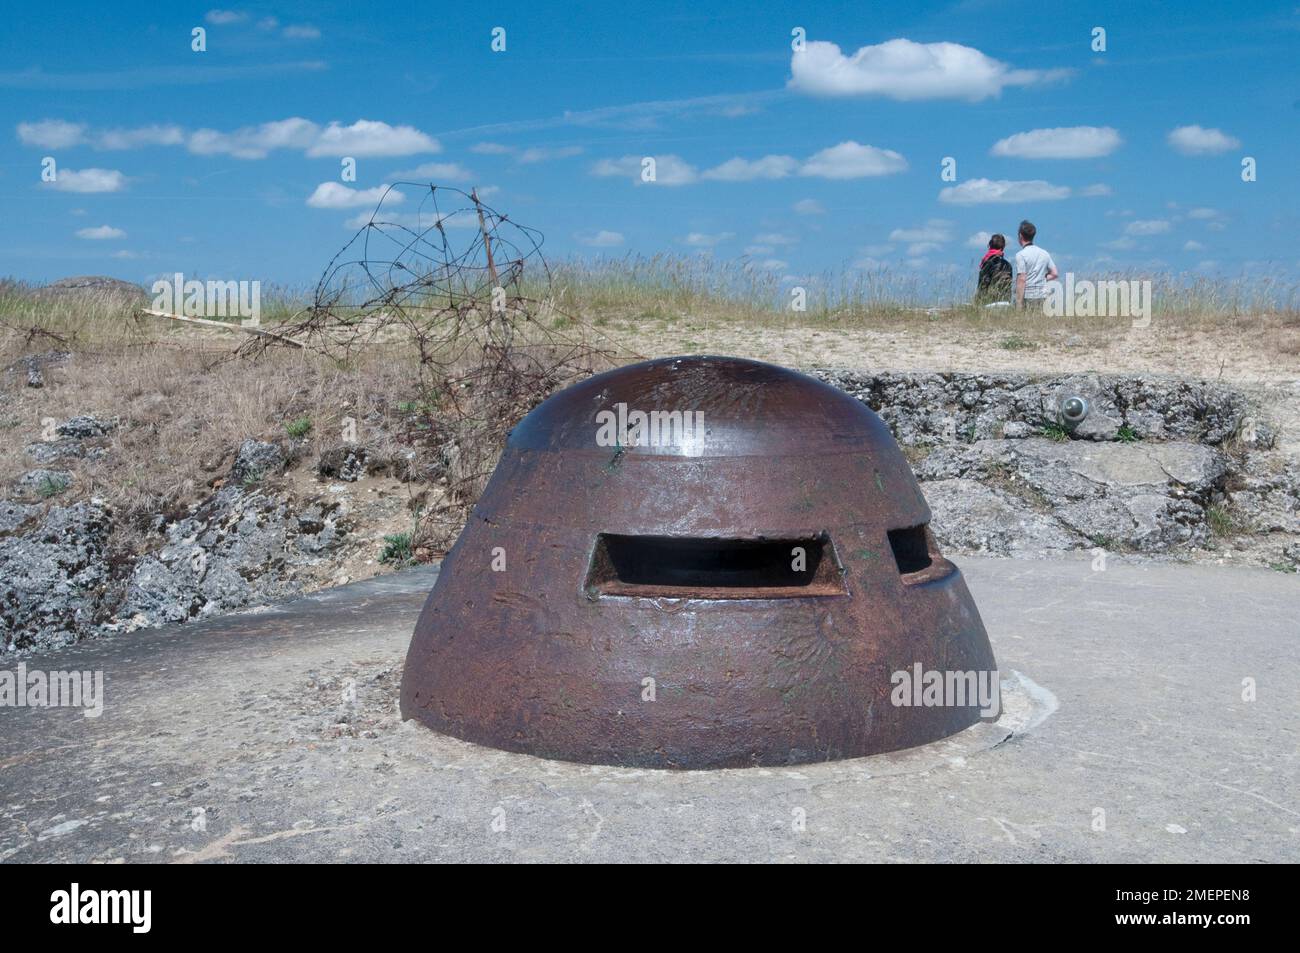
[(186, 398), (659, 305), (184, 408), (186, 402), (627, 296), (674, 286)]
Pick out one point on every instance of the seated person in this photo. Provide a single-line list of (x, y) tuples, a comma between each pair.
[(995, 273)]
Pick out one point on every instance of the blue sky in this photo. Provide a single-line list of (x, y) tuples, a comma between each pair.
[(226, 163)]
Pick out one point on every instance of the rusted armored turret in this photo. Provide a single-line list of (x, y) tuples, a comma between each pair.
[(696, 562)]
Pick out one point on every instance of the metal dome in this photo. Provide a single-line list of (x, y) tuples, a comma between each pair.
[(695, 562)]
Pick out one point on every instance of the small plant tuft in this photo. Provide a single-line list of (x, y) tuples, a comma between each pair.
[(1222, 521), (1016, 342), (1054, 431), (1127, 434), (398, 550), (51, 487), (298, 428)]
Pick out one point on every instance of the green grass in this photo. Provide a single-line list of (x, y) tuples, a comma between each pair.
[(1054, 431), (51, 487), (397, 550), (1222, 521), (1016, 342), (1127, 434), (298, 428)]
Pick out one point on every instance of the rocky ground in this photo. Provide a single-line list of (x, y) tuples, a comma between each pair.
[(1160, 467), (274, 526)]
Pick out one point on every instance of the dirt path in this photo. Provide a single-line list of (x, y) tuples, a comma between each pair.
[(1203, 354), (1249, 361)]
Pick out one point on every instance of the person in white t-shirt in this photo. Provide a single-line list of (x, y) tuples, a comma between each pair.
[(1034, 268)]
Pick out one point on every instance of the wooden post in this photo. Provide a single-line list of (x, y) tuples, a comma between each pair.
[(487, 239)]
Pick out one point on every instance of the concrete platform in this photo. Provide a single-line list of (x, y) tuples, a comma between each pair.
[(273, 736)]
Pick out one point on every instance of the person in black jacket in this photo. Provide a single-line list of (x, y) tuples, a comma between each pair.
[(995, 273)]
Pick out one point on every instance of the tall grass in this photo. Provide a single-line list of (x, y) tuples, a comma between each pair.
[(669, 288)]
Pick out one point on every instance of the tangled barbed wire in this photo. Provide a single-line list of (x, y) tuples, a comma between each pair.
[(471, 290)]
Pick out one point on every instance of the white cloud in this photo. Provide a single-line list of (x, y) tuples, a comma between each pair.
[(101, 233), (876, 251), (1096, 191), (1063, 142), (416, 221), (745, 170), (991, 191), (491, 149), (363, 138), (774, 264), (1149, 226), (624, 167), (302, 31), (1198, 141), (922, 248), (809, 207), (157, 135), (754, 251), (1193, 245), (88, 180), (704, 240), (1203, 213), (51, 133), (367, 137), (776, 238), (268, 23), (546, 153), (904, 70), (338, 195), (434, 171), (224, 17), (602, 239), (1120, 244), (849, 160), (255, 142), (669, 169), (935, 230), (979, 240)]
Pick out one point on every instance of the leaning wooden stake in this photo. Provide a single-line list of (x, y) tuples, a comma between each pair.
[(487, 239), (224, 326)]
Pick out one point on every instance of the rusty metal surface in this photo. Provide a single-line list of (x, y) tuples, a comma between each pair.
[(551, 655)]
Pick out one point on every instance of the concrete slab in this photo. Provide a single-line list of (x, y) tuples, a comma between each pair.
[(273, 736)]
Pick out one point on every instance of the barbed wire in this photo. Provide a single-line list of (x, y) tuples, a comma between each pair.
[(471, 290)]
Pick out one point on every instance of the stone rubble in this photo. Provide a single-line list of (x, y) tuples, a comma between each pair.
[(1155, 467)]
